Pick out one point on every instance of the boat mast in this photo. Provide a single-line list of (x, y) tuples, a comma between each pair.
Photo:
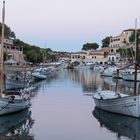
[(136, 58), (2, 34), (2, 48)]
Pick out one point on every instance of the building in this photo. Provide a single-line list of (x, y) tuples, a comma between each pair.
[(14, 53), (120, 41), (107, 54), (79, 57), (98, 56)]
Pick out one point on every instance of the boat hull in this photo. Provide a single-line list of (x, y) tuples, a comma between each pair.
[(7, 106), (14, 85), (108, 71), (39, 76), (128, 105), (131, 77)]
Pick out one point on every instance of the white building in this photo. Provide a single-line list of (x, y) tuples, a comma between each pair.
[(98, 56), (113, 58), (79, 57), (107, 54), (121, 41)]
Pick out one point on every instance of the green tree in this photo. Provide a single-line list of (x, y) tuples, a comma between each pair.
[(132, 37), (7, 32), (106, 42), (90, 46), (126, 53), (33, 53)]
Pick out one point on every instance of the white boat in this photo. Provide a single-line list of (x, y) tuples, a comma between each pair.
[(42, 73), (39, 75), (85, 66), (13, 81), (108, 71), (130, 76), (116, 75), (98, 67), (16, 79), (120, 103), (12, 101)]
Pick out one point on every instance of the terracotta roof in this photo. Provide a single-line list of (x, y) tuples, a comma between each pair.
[(96, 53), (80, 52)]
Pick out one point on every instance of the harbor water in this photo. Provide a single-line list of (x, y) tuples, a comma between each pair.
[(63, 109)]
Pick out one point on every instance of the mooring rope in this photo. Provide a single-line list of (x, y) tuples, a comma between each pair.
[(9, 102)]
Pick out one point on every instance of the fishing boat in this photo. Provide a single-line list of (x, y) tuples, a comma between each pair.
[(14, 81), (41, 73), (130, 76), (108, 71), (121, 103), (10, 101), (39, 76)]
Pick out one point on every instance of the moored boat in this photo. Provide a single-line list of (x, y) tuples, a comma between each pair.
[(121, 103), (11, 101)]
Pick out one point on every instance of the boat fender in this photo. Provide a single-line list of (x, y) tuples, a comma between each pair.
[(119, 96), (12, 100), (101, 98), (12, 97)]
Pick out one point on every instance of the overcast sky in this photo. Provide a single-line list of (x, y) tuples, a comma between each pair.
[(65, 25)]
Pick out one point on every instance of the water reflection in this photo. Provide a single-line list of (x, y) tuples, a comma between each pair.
[(42, 83), (16, 126), (91, 82), (123, 126)]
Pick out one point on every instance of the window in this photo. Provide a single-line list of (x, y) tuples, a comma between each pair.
[(13, 48), (112, 58)]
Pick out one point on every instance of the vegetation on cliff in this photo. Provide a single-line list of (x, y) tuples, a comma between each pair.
[(90, 46)]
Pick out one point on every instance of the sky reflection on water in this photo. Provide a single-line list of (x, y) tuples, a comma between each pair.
[(60, 109), (67, 113)]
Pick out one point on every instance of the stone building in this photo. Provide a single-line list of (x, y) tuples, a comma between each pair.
[(13, 53), (121, 41)]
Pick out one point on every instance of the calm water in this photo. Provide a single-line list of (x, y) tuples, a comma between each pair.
[(63, 109)]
